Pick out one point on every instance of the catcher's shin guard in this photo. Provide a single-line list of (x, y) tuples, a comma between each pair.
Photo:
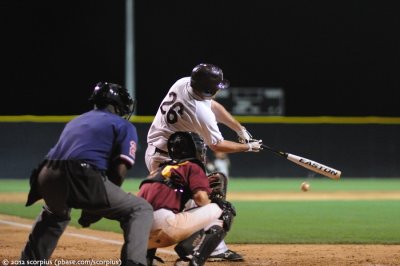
[(210, 241), (151, 256), (228, 212), (186, 247)]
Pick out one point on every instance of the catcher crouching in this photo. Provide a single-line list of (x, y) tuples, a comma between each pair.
[(197, 231)]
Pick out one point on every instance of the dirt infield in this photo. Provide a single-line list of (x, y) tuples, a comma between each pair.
[(104, 247)]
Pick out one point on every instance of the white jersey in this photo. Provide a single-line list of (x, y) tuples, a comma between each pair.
[(182, 110)]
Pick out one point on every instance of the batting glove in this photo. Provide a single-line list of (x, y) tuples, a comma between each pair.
[(255, 145), (244, 135)]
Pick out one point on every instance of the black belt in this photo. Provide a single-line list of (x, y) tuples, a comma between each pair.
[(161, 151)]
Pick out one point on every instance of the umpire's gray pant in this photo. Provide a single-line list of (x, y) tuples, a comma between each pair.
[(134, 214)]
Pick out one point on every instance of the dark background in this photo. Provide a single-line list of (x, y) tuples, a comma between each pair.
[(338, 58)]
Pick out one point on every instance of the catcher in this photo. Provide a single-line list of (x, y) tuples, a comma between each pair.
[(198, 231)]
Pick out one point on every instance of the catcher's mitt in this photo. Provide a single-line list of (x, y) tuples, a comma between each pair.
[(218, 183)]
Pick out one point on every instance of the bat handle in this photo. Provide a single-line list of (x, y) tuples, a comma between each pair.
[(280, 153)]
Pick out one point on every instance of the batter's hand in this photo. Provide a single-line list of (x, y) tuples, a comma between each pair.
[(255, 145), (244, 135)]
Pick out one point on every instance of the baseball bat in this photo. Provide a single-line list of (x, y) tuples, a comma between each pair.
[(307, 163)]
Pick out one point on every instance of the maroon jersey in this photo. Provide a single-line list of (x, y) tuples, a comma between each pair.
[(174, 185)]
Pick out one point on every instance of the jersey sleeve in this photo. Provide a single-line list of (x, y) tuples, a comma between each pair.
[(126, 142), (209, 126), (197, 179)]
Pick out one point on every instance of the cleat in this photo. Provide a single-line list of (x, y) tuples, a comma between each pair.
[(228, 255)]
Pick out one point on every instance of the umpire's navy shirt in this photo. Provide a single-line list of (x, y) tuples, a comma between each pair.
[(97, 137)]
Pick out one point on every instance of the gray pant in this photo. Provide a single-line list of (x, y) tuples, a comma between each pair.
[(134, 214)]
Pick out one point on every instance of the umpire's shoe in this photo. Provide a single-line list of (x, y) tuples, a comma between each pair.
[(228, 255)]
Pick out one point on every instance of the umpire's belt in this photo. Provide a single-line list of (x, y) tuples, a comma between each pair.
[(161, 151)]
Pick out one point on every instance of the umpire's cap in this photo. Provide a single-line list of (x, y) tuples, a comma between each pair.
[(208, 79)]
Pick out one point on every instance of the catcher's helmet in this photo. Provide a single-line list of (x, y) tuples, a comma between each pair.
[(106, 93), (186, 145), (207, 79)]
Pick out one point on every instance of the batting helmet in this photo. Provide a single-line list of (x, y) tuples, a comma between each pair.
[(186, 145), (207, 79), (106, 93)]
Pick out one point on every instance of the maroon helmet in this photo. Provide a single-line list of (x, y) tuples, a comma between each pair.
[(207, 79)]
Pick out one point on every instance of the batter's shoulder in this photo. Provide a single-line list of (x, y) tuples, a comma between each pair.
[(183, 80)]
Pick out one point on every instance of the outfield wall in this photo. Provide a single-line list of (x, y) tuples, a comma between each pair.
[(360, 148)]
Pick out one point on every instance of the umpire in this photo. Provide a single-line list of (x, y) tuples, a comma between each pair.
[(84, 170)]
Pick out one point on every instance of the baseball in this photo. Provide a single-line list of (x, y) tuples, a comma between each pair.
[(305, 186)]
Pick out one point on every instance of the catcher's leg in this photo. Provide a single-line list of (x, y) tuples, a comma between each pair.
[(151, 256), (186, 247), (212, 238), (200, 245), (219, 186), (169, 228)]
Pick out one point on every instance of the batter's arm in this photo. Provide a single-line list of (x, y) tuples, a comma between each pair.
[(224, 117), (227, 146)]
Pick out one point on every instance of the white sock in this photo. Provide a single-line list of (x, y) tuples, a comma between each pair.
[(221, 248)]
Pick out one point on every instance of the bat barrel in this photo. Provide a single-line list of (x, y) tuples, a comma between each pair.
[(307, 163), (315, 167)]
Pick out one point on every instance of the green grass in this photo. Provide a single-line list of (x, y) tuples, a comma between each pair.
[(318, 184), (327, 221), (14, 185), (317, 222)]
